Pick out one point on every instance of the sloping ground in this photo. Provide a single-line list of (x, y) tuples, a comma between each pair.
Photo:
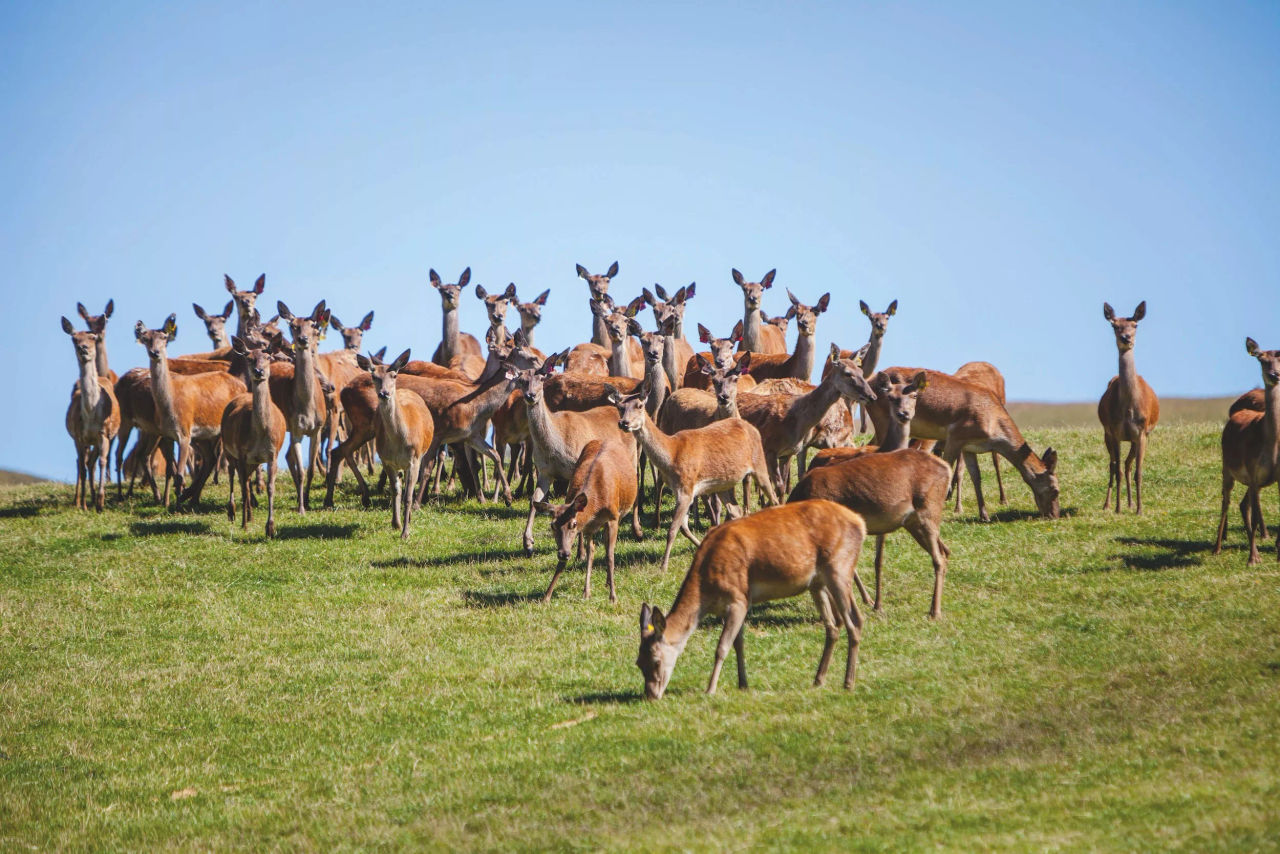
[(17, 478), (1030, 415)]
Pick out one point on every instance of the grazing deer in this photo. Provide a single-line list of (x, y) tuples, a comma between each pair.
[(253, 429), (403, 431), (773, 554), (989, 377), (185, 408), (557, 438), (709, 460), (495, 306), (300, 396), (669, 315), (756, 337), (602, 490), (1128, 410), (216, 324), (1251, 452), (879, 323), (799, 364), (93, 419), (246, 317), (97, 324), (453, 344), (966, 417), (531, 315)]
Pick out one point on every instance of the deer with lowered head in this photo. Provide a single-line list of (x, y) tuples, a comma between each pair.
[(601, 491), (215, 325), (756, 336), (774, 554), (253, 429), (1128, 411), (891, 488), (403, 432), (709, 460), (668, 313), (1251, 452), (93, 419), (989, 377)]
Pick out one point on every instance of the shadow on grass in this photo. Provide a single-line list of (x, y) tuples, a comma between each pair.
[(483, 599), (1019, 514), (316, 531), (1173, 554), (613, 698), (448, 560), (32, 507), (158, 527)]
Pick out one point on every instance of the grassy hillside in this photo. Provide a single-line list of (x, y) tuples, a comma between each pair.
[(1097, 682), (1173, 410), (17, 478)]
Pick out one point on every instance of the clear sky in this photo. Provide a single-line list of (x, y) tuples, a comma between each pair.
[(999, 168)]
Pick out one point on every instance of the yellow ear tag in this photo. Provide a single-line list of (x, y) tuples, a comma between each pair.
[(649, 627)]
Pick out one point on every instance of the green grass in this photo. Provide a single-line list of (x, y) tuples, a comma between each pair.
[(1100, 681)]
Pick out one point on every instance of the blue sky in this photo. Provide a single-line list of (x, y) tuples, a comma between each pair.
[(1000, 169)]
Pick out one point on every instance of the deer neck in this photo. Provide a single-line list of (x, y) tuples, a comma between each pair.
[(685, 613), (305, 398), (392, 418), (599, 331), (449, 336), (90, 391), (669, 366), (100, 360), (808, 409), (751, 330), (730, 411), (657, 446), (262, 403), (897, 436), (802, 359), (543, 430), (873, 354), (1271, 418), (528, 328), (487, 402), (654, 375), (619, 364), (162, 392), (1128, 377), (241, 321)]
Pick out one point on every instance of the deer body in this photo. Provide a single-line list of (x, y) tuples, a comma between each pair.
[(774, 554), (1128, 411), (1251, 452), (602, 489), (304, 406), (93, 419), (253, 430), (403, 433)]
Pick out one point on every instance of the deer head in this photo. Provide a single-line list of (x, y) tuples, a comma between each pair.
[(721, 348), (599, 285), (657, 658), (902, 397), (724, 383), (1125, 328), (531, 312), (97, 323), (669, 313), (1268, 359), (352, 336), (384, 376), (449, 293), (753, 292), (651, 343), (530, 382), (847, 376), (86, 343), (1044, 486), (806, 316), (496, 304), (879, 319), (245, 300), (564, 523), (257, 360), (305, 331), (156, 341)]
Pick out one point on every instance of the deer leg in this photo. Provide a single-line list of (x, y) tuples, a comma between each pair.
[(246, 508), (680, 518), (956, 476), (272, 470), (822, 600), (610, 545), (180, 470), (635, 520), (740, 653), (486, 452), (1128, 466), (415, 463), (1228, 483), (852, 618), (231, 492), (734, 616), (1246, 513), (685, 530), (1113, 470), (1141, 447), (122, 439), (877, 607), (591, 559), (313, 453), (560, 565), (394, 476), (925, 532), (862, 590), (539, 492), (293, 456), (77, 498), (975, 475), (166, 451), (435, 456), (995, 464)]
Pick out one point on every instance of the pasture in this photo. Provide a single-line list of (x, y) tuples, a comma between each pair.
[(1099, 681)]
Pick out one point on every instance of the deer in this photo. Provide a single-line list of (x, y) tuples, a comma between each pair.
[(495, 306), (708, 460), (601, 491), (531, 315), (403, 431), (215, 325), (253, 429), (97, 324), (557, 438), (879, 323), (453, 344), (625, 358), (780, 323), (245, 302), (184, 408), (1128, 410), (989, 377), (900, 403), (757, 337), (966, 417), (352, 336), (669, 315), (1254, 399), (339, 367), (93, 419), (1251, 453), (774, 554), (297, 390), (799, 364), (720, 355)]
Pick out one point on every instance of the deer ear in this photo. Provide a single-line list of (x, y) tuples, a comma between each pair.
[(111, 306), (1050, 460), (582, 271), (893, 308), (835, 351), (238, 346), (861, 354), (688, 291), (611, 394), (736, 334), (367, 322), (647, 295), (792, 297), (170, 328), (282, 310), (465, 278), (613, 270), (1251, 346), (767, 281), (401, 361), (866, 309), (337, 324), (634, 307), (662, 292), (481, 292), (744, 364), (230, 283), (510, 292), (435, 278), (791, 312), (1140, 312), (542, 297), (580, 503), (198, 310), (380, 354), (82, 311), (703, 365), (921, 380), (634, 328), (545, 507), (737, 277), (139, 328), (365, 362), (1108, 312), (261, 284), (646, 627), (704, 334), (823, 302), (658, 621), (227, 309), (318, 314), (67, 327)]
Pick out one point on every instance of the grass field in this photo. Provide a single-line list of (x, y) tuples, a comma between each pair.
[(1097, 682)]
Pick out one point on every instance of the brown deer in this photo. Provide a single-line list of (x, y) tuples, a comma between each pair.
[(495, 306), (757, 337), (403, 432), (215, 325), (352, 336), (966, 417), (879, 323), (900, 403), (799, 364), (625, 356), (245, 301), (253, 429), (1251, 452), (97, 324), (780, 323), (669, 315), (989, 377), (453, 344), (93, 419), (1254, 399), (709, 460), (185, 408), (720, 355), (531, 315), (557, 438), (1128, 410), (601, 491), (774, 554), (297, 390)]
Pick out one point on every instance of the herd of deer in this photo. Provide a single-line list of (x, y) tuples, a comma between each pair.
[(627, 401)]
